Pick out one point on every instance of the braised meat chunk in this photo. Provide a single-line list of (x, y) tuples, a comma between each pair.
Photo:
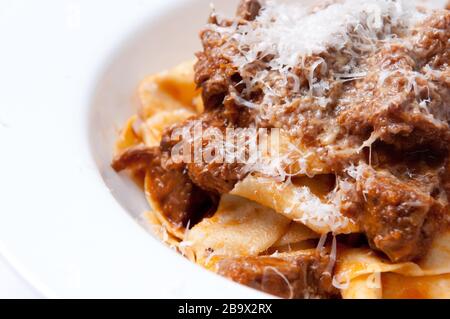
[(295, 276), (213, 70), (136, 158), (397, 217), (180, 200), (248, 9), (206, 166), (404, 100)]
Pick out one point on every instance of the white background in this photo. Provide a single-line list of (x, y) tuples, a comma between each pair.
[(60, 227)]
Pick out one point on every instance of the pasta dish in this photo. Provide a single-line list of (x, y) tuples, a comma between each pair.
[(304, 152)]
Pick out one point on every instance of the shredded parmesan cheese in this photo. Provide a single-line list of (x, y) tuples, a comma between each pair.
[(279, 273), (286, 34), (333, 257)]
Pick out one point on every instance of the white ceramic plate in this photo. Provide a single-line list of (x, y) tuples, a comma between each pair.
[(68, 69)]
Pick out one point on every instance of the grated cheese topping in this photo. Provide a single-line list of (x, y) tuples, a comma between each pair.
[(285, 35), (290, 31)]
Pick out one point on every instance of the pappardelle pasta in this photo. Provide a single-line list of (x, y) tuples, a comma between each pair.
[(305, 151)]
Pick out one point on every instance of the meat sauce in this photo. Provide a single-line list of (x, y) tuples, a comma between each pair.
[(362, 108)]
